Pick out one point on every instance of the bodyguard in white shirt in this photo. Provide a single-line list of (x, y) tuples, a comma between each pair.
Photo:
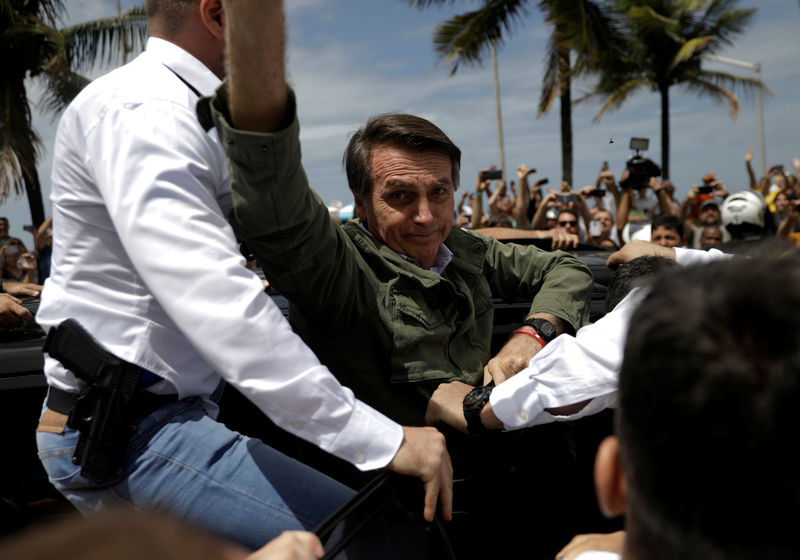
[(145, 260)]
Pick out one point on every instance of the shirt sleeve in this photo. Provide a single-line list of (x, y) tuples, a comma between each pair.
[(686, 257), (160, 187)]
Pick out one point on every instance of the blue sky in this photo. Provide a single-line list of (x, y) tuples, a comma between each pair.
[(351, 59)]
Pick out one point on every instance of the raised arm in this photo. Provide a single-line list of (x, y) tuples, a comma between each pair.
[(523, 195), (748, 158), (258, 101), (539, 220)]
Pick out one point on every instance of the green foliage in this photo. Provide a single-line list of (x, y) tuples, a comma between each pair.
[(667, 40), (33, 46)]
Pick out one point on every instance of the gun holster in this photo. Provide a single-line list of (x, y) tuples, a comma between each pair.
[(103, 411)]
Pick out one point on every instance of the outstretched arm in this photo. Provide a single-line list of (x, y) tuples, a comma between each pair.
[(258, 101)]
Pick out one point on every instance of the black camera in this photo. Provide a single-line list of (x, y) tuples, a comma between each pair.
[(640, 168)]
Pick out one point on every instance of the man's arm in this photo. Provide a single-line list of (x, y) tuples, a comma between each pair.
[(559, 286), (523, 195), (258, 102)]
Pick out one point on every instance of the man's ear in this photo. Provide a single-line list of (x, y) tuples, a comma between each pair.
[(213, 17), (359, 208), (609, 479)]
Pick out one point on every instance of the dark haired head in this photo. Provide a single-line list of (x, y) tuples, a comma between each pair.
[(708, 398), (632, 274), (394, 129), (668, 222)]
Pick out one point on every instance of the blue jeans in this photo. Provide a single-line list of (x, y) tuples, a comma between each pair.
[(182, 462)]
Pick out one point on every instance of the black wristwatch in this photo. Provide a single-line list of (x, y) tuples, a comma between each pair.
[(473, 404), (543, 328)]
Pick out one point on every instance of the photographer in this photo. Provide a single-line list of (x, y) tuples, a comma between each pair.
[(700, 209), (636, 207)]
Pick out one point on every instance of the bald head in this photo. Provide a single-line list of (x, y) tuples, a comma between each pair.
[(194, 25)]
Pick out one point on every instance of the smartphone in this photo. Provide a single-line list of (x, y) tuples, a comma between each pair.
[(566, 198), (543, 181), (531, 171), (605, 166), (598, 192), (492, 174), (705, 189), (595, 229)]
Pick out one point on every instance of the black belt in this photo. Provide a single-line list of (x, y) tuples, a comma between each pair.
[(144, 403)]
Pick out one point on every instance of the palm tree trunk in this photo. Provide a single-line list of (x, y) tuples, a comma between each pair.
[(565, 100), (664, 89)]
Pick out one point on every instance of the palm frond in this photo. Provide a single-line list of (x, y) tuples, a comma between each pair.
[(691, 48), (103, 40), (620, 95), (10, 174), (550, 81), (466, 38), (718, 94), (422, 4), (733, 82)]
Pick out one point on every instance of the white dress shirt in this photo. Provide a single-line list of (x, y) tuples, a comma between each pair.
[(145, 260), (573, 369)]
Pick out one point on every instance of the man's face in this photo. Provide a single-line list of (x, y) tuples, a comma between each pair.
[(665, 237), (781, 202), (606, 221), (568, 223), (410, 206), (711, 238), (709, 215)]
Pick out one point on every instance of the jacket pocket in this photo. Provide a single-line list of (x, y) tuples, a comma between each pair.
[(421, 334)]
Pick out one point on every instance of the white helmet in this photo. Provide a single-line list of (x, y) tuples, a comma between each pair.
[(745, 207)]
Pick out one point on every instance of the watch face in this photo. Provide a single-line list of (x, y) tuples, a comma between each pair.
[(544, 327), (473, 396)]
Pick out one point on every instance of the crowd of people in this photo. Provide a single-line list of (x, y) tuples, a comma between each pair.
[(387, 358), (609, 214)]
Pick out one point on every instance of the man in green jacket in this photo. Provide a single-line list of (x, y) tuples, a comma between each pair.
[(396, 301)]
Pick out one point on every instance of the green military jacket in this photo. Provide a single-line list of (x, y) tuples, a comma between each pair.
[(387, 328)]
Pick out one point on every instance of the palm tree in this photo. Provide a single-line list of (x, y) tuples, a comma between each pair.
[(583, 28), (31, 45), (668, 39)]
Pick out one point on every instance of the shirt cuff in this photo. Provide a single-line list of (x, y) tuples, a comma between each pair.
[(374, 451)]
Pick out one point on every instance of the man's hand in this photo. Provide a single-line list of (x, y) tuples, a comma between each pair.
[(611, 542), (21, 288), (447, 405), (563, 240), (423, 454), (638, 248), (748, 155), (512, 358), (290, 545), (12, 314)]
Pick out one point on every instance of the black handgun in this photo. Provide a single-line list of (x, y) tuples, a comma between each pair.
[(101, 412)]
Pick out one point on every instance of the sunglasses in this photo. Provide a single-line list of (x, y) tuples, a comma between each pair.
[(571, 223)]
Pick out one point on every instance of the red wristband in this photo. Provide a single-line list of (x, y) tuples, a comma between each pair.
[(534, 334)]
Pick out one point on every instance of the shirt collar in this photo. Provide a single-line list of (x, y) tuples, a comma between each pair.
[(443, 256), (186, 65)]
